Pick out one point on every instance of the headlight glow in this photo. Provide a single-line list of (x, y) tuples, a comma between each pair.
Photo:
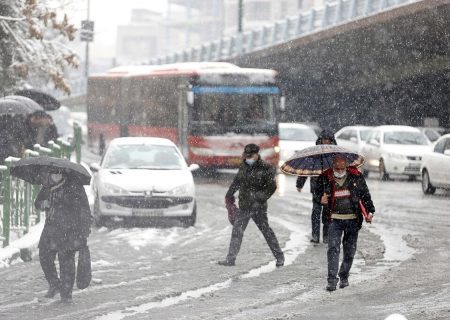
[(397, 156), (114, 190), (181, 190), (265, 153)]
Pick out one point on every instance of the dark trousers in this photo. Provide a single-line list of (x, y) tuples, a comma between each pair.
[(239, 226), (66, 269), (349, 229), (317, 211)]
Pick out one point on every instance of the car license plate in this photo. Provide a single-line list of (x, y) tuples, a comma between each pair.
[(234, 161), (148, 213)]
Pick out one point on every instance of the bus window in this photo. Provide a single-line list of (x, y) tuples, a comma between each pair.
[(223, 112)]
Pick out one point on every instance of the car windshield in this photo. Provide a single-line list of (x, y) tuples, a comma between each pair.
[(298, 134), (364, 134), (143, 156), (432, 135), (405, 137)]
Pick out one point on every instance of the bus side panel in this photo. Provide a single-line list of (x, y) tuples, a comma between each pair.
[(159, 132)]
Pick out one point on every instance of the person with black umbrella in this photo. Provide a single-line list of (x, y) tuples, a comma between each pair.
[(67, 220), (255, 181), (325, 137), (66, 229)]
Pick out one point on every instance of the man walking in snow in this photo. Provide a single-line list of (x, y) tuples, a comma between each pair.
[(342, 189), (255, 181), (325, 137)]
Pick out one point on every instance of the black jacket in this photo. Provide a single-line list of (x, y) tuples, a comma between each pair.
[(313, 180), (68, 217), (357, 187), (256, 184)]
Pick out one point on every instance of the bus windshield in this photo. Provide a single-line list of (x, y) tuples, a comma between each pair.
[(239, 113)]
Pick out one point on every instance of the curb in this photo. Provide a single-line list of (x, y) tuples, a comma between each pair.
[(21, 248)]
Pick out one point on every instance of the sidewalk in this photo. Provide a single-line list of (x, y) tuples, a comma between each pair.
[(28, 241)]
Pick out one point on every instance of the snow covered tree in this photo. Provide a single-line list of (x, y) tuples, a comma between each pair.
[(32, 45)]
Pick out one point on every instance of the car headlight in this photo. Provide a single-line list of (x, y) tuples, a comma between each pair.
[(202, 151), (181, 190), (114, 190), (265, 153), (397, 156)]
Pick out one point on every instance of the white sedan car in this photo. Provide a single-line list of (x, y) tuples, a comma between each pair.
[(436, 166), (395, 150), (294, 137), (352, 137), (143, 178)]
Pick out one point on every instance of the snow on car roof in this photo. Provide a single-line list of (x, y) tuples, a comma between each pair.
[(397, 128), (141, 140), (294, 125)]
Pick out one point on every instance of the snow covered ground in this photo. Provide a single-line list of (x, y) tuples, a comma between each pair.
[(170, 272)]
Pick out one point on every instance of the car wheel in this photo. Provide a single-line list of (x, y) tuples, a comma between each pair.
[(427, 188), (99, 221), (190, 221), (384, 176)]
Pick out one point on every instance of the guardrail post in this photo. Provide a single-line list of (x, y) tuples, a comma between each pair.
[(353, 9), (312, 18), (77, 141), (338, 16), (6, 202)]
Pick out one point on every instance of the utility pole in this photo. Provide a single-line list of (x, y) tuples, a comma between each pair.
[(240, 15), (86, 66)]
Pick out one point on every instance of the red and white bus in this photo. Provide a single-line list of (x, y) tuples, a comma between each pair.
[(211, 110)]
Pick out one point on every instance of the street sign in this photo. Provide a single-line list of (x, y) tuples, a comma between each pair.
[(87, 31)]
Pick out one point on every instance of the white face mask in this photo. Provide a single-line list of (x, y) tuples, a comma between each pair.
[(250, 162), (55, 177), (339, 175)]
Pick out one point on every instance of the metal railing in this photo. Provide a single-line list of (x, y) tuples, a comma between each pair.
[(18, 196), (317, 19)]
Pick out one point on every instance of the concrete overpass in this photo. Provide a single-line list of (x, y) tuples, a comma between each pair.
[(389, 68), (354, 61)]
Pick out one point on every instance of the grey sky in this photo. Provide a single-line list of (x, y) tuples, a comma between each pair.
[(108, 14)]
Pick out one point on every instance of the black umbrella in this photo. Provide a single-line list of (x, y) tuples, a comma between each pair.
[(36, 169), (314, 160), (8, 106), (45, 100), (32, 105)]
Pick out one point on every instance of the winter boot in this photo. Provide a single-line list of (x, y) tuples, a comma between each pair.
[(52, 291), (343, 283), (331, 286), (226, 262), (280, 262)]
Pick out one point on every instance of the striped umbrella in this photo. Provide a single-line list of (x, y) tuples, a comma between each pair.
[(314, 160)]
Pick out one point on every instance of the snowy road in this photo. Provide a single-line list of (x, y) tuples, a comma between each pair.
[(171, 273)]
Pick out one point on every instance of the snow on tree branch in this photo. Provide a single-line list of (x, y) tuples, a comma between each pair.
[(33, 41)]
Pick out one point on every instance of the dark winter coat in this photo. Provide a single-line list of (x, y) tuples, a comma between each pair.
[(67, 217), (256, 184), (357, 187), (313, 180)]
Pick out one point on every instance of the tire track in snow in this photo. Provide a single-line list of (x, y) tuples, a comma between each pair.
[(295, 246)]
